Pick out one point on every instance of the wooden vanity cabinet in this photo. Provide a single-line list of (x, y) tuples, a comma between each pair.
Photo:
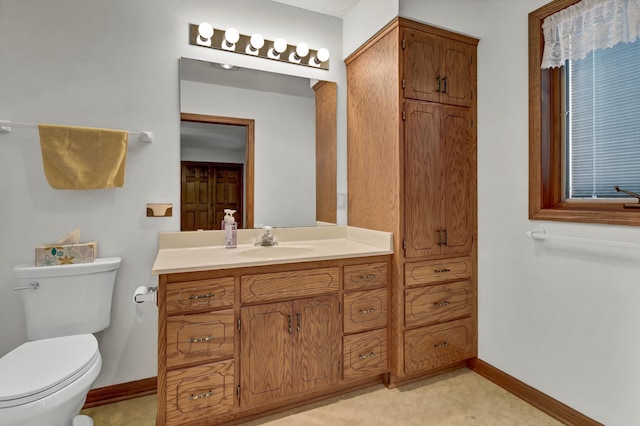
[(411, 154), (236, 342)]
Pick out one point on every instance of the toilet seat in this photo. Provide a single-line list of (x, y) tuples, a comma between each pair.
[(39, 368)]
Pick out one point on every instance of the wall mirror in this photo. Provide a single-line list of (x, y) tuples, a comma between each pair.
[(258, 142)]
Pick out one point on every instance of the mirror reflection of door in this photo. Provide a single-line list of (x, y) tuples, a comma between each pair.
[(207, 190), (216, 171)]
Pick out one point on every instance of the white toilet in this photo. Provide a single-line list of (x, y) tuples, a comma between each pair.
[(45, 381)]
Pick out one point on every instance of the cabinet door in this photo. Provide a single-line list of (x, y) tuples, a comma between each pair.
[(455, 155), (317, 342), (422, 78), (266, 353), (456, 79), (423, 179)]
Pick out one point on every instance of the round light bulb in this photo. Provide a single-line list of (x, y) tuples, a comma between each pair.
[(232, 36), (323, 55), (257, 41), (302, 50), (205, 30), (280, 45)]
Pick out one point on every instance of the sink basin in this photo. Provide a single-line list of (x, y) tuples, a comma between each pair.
[(273, 252)]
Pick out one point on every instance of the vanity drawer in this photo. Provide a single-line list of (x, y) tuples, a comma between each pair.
[(365, 277), (365, 310), (438, 345), (289, 285), (200, 337), (202, 295), (435, 271), (365, 354), (195, 393), (437, 303)]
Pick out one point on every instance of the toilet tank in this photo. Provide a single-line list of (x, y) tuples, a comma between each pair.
[(69, 299)]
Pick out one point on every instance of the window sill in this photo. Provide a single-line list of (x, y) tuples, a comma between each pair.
[(610, 214)]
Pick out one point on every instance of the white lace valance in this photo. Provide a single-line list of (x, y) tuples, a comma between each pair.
[(575, 31)]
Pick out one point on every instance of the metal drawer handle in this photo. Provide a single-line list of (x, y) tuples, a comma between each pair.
[(201, 296), (201, 395), (367, 277), (201, 339), (441, 345), (438, 271), (441, 304), (365, 356), (33, 286), (367, 311)]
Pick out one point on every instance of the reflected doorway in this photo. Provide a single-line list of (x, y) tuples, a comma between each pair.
[(209, 186)]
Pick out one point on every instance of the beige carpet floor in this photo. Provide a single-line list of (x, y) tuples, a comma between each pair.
[(459, 398)]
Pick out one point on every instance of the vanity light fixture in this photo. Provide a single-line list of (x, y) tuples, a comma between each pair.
[(255, 44), (205, 32), (230, 40), (302, 50), (231, 37)]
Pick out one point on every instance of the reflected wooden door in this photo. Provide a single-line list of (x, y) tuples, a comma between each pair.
[(207, 189)]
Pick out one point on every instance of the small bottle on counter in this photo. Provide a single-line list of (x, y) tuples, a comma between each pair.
[(230, 228)]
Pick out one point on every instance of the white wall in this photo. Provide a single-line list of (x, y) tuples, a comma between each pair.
[(115, 64), (285, 149), (564, 319)]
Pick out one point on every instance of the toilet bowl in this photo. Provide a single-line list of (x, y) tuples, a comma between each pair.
[(45, 382)]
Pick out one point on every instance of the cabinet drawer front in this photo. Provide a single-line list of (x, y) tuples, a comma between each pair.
[(193, 296), (438, 345), (365, 354), (288, 285), (364, 277), (200, 337), (435, 271), (365, 310), (437, 303), (199, 392)]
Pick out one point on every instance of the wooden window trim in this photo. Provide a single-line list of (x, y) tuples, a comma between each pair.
[(545, 142)]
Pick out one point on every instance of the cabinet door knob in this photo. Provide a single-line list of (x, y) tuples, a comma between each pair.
[(444, 80), (441, 345), (441, 270), (438, 78), (441, 304), (367, 311)]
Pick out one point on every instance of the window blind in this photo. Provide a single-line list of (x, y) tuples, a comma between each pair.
[(603, 123)]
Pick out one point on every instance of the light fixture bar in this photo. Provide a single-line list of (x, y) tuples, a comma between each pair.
[(241, 46)]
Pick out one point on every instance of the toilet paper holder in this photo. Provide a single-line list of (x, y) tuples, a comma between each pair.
[(145, 294)]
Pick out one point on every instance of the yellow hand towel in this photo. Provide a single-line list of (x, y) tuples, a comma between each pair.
[(82, 157)]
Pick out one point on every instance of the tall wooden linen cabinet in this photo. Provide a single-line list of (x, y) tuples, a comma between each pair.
[(411, 142)]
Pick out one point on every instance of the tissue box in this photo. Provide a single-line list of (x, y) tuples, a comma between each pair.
[(66, 254)]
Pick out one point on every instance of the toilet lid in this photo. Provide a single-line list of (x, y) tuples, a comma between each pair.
[(39, 368)]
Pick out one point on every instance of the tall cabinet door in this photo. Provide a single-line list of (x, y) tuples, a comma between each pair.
[(266, 332), (423, 179), (316, 343), (455, 151)]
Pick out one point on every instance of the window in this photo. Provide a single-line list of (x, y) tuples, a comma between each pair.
[(574, 183), (602, 123)]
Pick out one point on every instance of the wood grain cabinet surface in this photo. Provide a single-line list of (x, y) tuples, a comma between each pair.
[(412, 113)]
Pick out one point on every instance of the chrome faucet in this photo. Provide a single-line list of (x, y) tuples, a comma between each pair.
[(266, 239)]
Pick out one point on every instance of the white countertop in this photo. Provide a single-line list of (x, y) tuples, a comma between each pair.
[(203, 250)]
